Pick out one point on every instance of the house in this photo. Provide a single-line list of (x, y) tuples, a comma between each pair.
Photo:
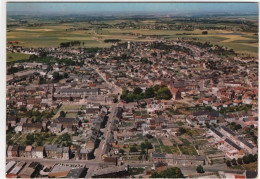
[(29, 170), (111, 160), (159, 157), (28, 150), (66, 153), (68, 123), (84, 154), (217, 106), (17, 168), (227, 132), (12, 120), (9, 166), (176, 93), (56, 128), (51, 151), (22, 152), (39, 152), (18, 128), (59, 153), (246, 145), (33, 153), (9, 151), (14, 151), (215, 133), (90, 143), (160, 166), (32, 127), (111, 172)]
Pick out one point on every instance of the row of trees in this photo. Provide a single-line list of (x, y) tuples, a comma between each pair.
[(245, 160), (159, 92), (111, 40), (68, 44)]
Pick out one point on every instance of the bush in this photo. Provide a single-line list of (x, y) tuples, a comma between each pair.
[(200, 169)]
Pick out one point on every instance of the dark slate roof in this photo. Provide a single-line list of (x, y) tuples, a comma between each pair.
[(75, 173), (214, 114), (200, 113), (33, 165), (67, 120), (51, 147), (15, 148), (216, 132), (232, 144), (158, 155), (245, 142), (228, 130), (69, 90), (251, 174)]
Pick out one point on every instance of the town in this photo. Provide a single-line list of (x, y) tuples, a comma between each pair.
[(136, 109)]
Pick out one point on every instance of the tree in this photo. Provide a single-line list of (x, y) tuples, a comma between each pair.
[(233, 161), (138, 90), (240, 161), (238, 126), (228, 163), (149, 93), (56, 75), (246, 159), (115, 100), (149, 136), (66, 75), (62, 114), (164, 93), (200, 169), (121, 151), (182, 130), (251, 158), (133, 149)]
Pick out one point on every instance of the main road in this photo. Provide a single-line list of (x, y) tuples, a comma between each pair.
[(106, 133), (117, 89)]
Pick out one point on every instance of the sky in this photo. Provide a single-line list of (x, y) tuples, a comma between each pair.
[(137, 8)]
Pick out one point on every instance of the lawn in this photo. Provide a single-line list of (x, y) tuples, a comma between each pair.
[(11, 57)]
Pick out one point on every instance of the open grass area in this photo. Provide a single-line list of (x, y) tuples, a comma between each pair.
[(11, 57), (66, 108), (251, 166)]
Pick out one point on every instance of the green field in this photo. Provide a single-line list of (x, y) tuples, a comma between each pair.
[(188, 150), (17, 56), (52, 35)]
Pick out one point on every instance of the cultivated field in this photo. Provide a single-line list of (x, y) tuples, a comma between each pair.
[(93, 36)]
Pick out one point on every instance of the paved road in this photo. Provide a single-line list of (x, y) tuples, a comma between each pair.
[(107, 132), (116, 88), (52, 161)]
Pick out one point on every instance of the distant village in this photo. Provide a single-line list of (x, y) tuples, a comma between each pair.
[(131, 110)]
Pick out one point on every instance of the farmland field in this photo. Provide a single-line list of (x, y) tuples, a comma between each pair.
[(49, 35)]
